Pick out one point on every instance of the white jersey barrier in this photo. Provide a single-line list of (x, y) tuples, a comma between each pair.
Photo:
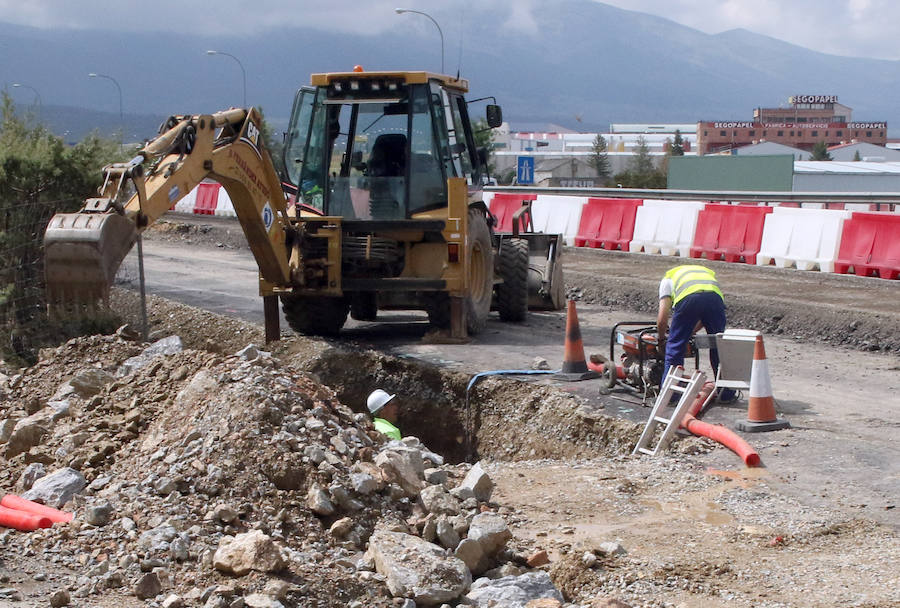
[(558, 215), (665, 227), (224, 207), (803, 238), (186, 205)]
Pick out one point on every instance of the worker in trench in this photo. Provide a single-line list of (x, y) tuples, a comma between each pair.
[(385, 411), (690, 296)]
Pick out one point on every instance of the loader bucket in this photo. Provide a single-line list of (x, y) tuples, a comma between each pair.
[(546, 289), (82, 252)]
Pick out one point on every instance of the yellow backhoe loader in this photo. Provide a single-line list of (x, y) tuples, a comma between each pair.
[(386, 213)]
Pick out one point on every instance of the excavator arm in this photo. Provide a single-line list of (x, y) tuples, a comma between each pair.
[(83, 250)]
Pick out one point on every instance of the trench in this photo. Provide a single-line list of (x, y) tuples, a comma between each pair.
[(504, 419)]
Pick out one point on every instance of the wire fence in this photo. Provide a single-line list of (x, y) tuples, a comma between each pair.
[(25, 323)]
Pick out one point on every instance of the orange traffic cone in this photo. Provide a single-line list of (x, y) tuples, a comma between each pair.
[(574, 366), (761, 410)]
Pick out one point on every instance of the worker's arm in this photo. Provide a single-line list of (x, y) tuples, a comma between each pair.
[(662, 317)]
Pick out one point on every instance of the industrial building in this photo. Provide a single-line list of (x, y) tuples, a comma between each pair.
[(558, 151), (808, 120)]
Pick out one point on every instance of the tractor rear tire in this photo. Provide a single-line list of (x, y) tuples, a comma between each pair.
[(512, 293), (315, 315), (481, 272)]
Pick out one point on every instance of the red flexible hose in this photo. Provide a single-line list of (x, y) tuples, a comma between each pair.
[(717, 432), (11, 501)]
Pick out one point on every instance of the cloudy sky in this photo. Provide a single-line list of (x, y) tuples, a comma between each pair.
[(860, 28)]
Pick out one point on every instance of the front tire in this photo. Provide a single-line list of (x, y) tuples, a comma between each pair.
[(512, 293), (481, 272), (315, 315)]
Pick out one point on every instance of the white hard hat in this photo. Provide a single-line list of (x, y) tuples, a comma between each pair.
[(377, 400)]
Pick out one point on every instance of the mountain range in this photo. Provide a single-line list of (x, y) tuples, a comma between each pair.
[(583, 66)]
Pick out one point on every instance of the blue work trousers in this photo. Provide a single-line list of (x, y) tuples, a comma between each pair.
[(704, 306)]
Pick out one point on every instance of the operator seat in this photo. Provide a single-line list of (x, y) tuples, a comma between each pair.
[(388, 157), (386, 169)]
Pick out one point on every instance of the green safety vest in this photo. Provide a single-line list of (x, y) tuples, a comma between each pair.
[(385, 427), (692, 279)]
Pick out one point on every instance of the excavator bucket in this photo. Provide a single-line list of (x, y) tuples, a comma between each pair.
[(82, 252), (546, 289)]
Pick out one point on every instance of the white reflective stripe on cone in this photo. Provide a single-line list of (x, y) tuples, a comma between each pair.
[(760, 384)]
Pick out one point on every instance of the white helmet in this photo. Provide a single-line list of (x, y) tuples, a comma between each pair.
[(377, 400)]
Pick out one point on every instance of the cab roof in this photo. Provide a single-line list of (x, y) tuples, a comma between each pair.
[(450, 82)]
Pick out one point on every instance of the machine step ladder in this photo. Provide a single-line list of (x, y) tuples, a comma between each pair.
[(674, 383)]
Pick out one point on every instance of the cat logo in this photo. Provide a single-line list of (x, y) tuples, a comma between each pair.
[(253, 133)]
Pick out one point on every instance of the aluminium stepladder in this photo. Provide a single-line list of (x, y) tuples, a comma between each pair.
[(674, 383)]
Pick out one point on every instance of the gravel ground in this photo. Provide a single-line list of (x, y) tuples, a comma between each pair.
[(688, 530)]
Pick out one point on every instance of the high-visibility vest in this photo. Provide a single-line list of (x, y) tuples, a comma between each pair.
[(690, 279), (385, 427)]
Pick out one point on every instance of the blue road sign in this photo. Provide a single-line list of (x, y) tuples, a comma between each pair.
[(525, 170)]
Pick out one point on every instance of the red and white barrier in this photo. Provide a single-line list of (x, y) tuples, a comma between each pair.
[(675, 223), (207, 198), (806, 238), (803, 238), (558, 215)]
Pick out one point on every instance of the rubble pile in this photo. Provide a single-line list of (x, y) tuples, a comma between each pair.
[(204, 479)]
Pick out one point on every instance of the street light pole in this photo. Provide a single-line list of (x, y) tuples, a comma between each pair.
[(115, 82), (243, 71), (37, 96), (400, 11)]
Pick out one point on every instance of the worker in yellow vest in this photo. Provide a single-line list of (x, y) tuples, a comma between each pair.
[(385, 412), (691, 296)]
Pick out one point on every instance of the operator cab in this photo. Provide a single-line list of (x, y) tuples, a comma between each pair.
[(381, 145)]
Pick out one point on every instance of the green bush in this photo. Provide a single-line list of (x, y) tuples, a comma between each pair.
[(39, 176)]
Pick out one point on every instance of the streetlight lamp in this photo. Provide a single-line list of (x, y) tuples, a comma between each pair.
[(400, 11), (115, 82), (243, 72), (37, 95)]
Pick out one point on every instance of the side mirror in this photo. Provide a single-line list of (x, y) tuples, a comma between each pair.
[(494, 116)]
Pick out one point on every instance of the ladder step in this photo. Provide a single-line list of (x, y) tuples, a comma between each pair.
[(663, 420), (645, 451)]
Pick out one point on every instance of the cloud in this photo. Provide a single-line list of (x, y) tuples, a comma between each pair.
[(860, 28), (863, 28)]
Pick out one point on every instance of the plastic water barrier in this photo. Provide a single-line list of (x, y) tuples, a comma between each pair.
[(558, 215), (729, 232), (665, 227), (803, 238), (607, 223)]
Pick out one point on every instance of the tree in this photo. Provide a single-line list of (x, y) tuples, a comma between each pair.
[(484, 138), (641, 171), (641, 163), (275, 145), (39, 176), (856, 156), (820, 151), (600, 160), (677, 147)]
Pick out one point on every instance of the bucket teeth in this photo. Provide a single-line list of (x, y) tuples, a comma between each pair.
[(77, 300), (82, 252)]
